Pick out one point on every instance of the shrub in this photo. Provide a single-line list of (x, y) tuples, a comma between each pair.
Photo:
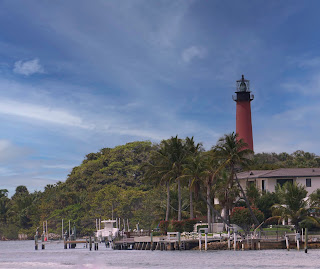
[(312, 225), (201, 226), (242, 217), (178, 226), (164, 224), (188, 225), (156, 233)]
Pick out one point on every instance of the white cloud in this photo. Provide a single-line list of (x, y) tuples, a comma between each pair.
[(309, 86), (42, 113), (294, 129), (28, 68), (59, 166), (304, 61), (193, 52), (9, 151), (4, 171)]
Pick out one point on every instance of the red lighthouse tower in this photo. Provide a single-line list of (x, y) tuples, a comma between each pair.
[(243, 98)]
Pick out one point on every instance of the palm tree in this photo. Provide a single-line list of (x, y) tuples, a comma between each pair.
[(158, 170), (176, 150), (235, 155), (211, 166), (166, 165), (193, 168), (226, 194), (314, 199), (293, 204)]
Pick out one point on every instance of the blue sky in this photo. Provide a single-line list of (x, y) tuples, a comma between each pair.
[(77, 76)]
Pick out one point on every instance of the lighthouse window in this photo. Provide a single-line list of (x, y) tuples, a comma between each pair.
[(308, 182)]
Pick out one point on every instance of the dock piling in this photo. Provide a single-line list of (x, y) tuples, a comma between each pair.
[(36, 242), (298, 243), (287, 243), (306, 240), (206, 242)]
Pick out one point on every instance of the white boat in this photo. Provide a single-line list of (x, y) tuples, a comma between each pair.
[(109, 232)]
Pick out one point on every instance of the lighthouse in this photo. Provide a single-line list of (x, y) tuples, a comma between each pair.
[(243, 98)]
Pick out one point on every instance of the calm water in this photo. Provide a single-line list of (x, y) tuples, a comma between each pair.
[(21, 254)]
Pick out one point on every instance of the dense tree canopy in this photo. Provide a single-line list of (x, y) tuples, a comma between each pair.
[(146, 183)]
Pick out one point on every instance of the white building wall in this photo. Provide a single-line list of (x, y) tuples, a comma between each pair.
[(315, 183), (270, 183), (243, 183)]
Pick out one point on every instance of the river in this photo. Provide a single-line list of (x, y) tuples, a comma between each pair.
[(21, 254)]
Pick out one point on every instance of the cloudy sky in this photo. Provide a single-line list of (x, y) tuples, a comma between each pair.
[(78, 76)]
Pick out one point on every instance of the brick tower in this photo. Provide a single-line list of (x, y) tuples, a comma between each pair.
[(243, 98)]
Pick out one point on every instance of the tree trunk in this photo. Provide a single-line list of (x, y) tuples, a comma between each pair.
[(191, 200), (208, 208), (179, 201), (168, 201), (247, 202), (214, 210), (213, 216)]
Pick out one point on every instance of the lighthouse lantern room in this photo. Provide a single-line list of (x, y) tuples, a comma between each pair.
[(243, 98)]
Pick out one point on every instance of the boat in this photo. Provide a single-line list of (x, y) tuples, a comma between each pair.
[(109, 232)]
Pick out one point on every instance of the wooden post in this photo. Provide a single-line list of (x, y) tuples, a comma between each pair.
[(298, 243), (206, 241), (287, 243), (234, 240), (229, 242), (259, 245), (65, 240), (90, 243), (200, 241), (306, 240), (36, 242), (151, 241), (42, 241)]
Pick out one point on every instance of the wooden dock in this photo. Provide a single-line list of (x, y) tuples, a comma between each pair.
[(171, 242)]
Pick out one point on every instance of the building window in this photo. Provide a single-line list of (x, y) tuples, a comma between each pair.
[(308, 182), (263, 185), (282, 181)]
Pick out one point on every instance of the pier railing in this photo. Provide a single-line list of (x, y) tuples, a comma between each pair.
[(136, 234)]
